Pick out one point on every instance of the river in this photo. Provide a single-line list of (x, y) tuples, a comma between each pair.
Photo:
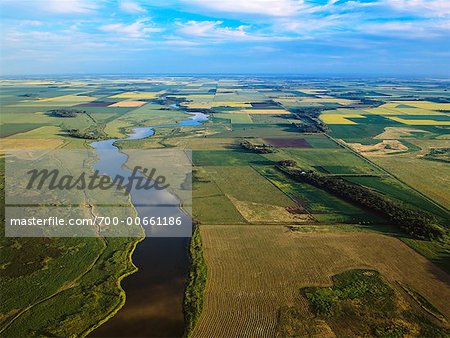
[(154, 294)]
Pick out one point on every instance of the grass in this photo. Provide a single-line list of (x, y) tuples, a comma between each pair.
[(226, 158), (322, 205), (196, 284), (395, 189), (259, 130), (15, 128), (363, 130), (336, 161), (234, 117), (437, 252), (361, 302), (246, 184), (85, 291), (431, 180), (216, 210)]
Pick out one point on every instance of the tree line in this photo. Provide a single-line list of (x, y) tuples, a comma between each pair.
[(257, 148), (417, 223)]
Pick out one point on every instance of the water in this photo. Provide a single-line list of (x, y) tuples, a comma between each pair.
[(154, 294)]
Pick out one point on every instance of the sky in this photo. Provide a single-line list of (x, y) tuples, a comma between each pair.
[(298, 37)]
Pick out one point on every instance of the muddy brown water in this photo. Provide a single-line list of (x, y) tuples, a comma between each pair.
[(154, 294)]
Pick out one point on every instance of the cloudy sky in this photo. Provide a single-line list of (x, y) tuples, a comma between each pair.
[(311, 37)]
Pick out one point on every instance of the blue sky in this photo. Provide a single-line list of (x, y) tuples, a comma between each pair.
[(311, 37)]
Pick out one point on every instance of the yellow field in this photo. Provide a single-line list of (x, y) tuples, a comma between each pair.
[(425, 105), (128, 104), (29, 144), (339, 118), (420, 122), (68, 98), (137, 95), (391, 109), (253, 271), (264, 111), (57, 101)]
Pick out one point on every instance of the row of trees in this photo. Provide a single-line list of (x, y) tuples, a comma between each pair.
[(311, 121), (416, 223), (65, 112), (91, 134), (257, 148)]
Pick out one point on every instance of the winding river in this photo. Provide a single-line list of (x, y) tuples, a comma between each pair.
[(154, 294)]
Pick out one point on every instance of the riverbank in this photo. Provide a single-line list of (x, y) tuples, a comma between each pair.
[(196, 283)]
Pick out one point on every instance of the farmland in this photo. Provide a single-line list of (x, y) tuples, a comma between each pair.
[(267, 247), (250, 281)]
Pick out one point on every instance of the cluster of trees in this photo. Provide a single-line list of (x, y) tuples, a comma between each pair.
[(65, 112), (257, 148), (439, 154), (310, 118), (416, 223), (92, 134), (287, 163)]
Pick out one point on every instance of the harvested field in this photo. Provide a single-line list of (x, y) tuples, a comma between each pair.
[(400, 132), (253, 271), (383, 148), (288, 142), (427, 122), (29, 144), (95, 104), (209, 143), (267, 213), (68, 98), (128, 104)]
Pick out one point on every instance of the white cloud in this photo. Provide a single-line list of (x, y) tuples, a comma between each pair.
[(131, 7), (402, 29), (67, 6), (430, 8), (263, 7), (139, 29), (214, 32), (210, 29)]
